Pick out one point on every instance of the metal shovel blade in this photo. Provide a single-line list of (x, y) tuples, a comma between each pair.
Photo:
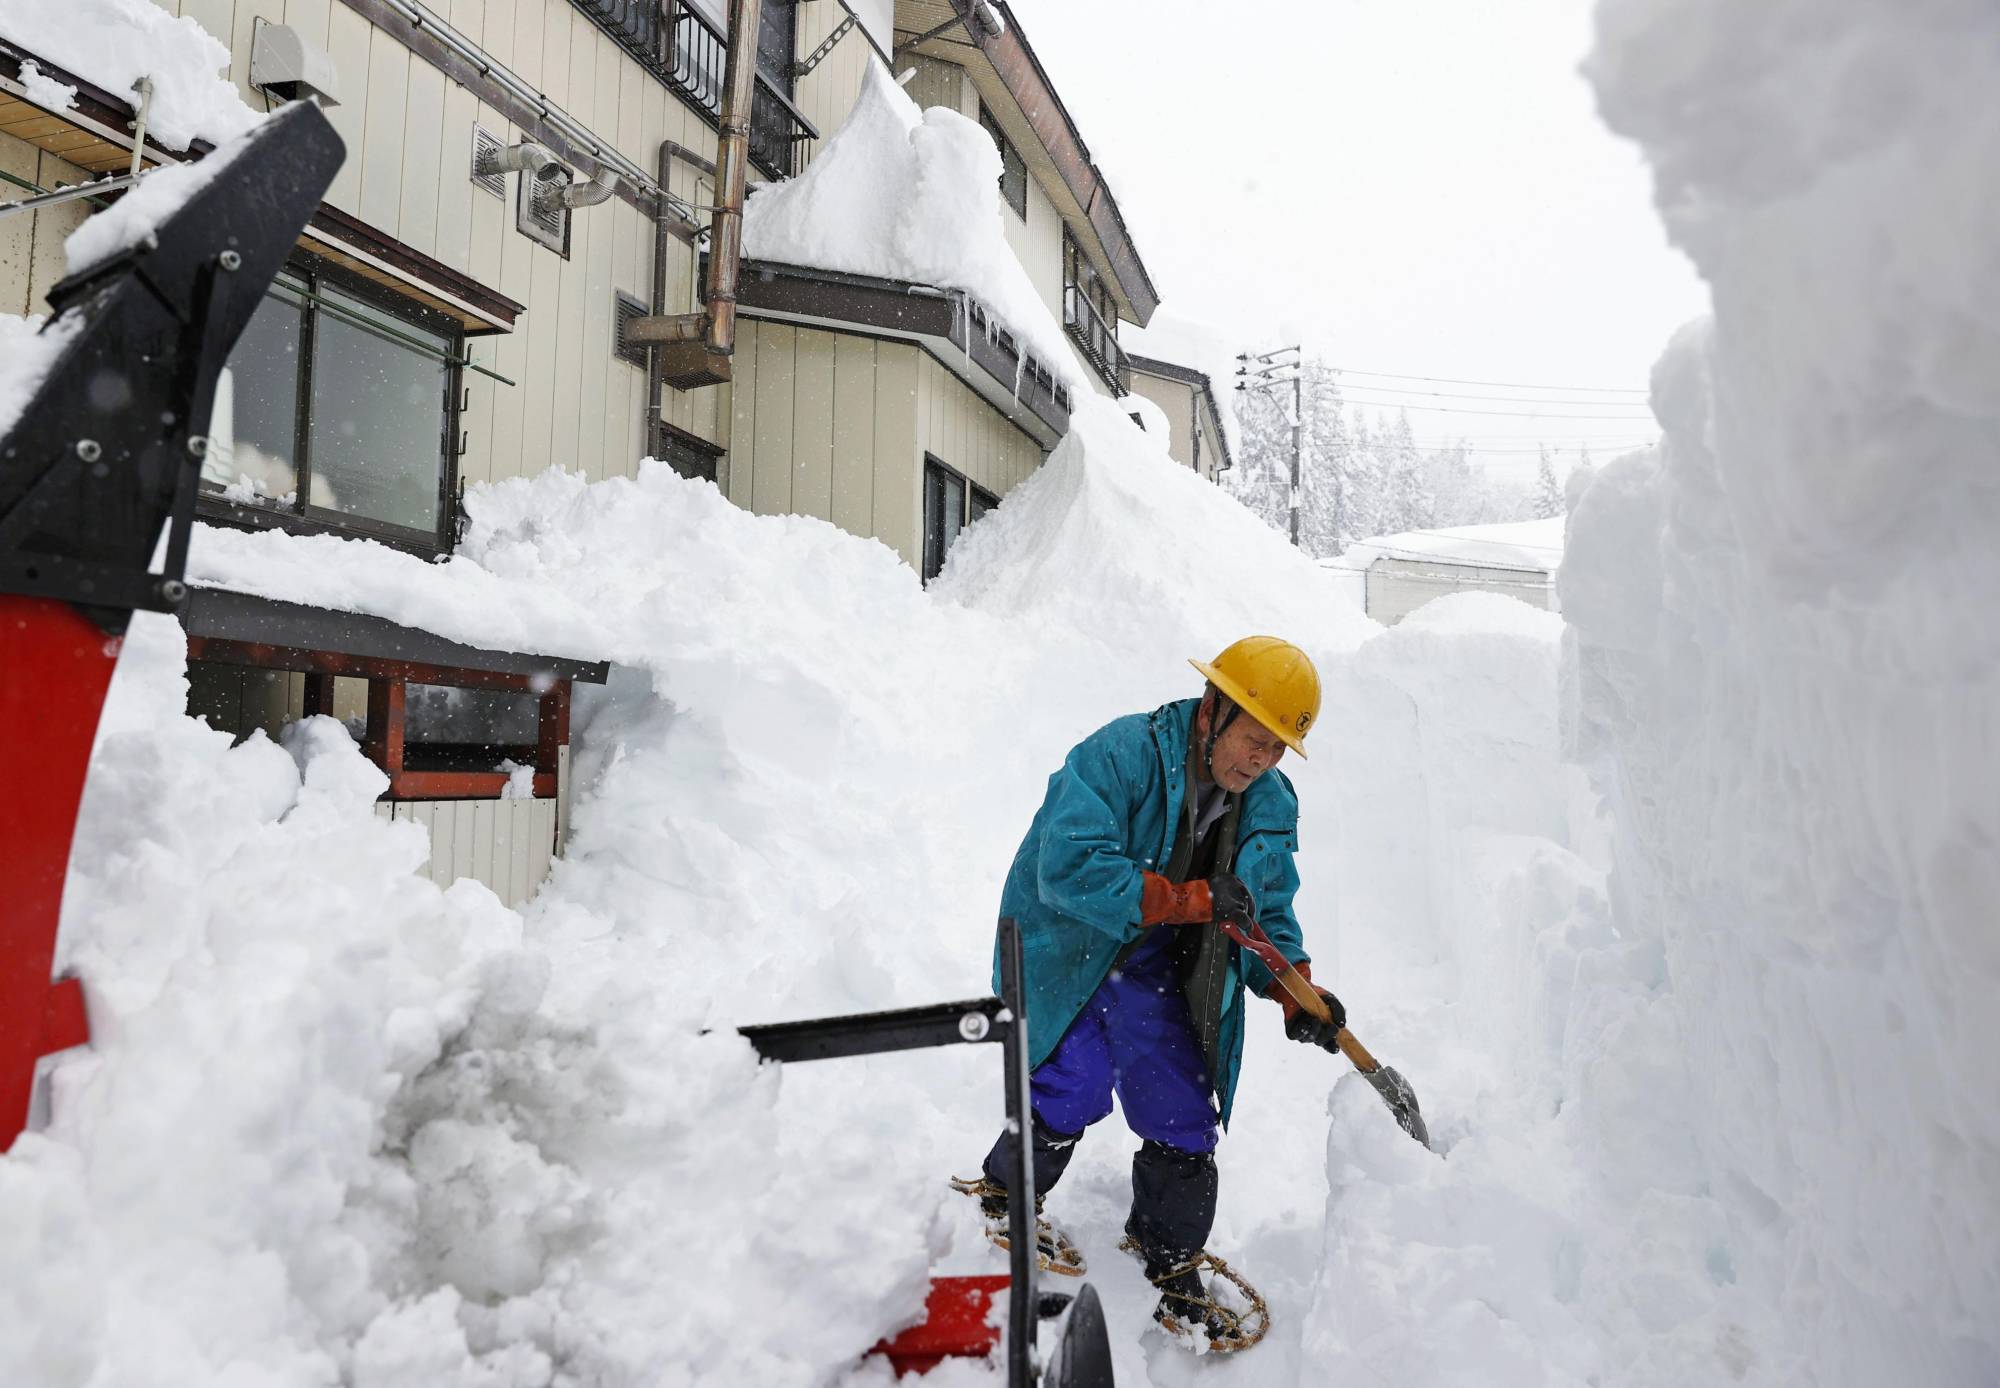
[(1401, 1099)]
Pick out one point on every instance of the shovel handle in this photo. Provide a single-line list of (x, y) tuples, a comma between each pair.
[(1302, 992)]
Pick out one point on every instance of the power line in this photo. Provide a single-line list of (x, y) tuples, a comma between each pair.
[(1502, 385), (1502, 399), (1516, 414), (1526, 452)]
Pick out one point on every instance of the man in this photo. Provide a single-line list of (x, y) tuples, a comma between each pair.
[(1157, 827)]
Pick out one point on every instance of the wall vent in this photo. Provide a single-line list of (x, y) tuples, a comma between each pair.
[(627, 308), (486, 147), (539, 211)]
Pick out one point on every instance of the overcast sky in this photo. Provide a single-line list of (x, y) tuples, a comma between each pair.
[(1417, 187)]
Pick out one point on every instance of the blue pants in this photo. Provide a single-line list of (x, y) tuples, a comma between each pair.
[(1133, 1038)]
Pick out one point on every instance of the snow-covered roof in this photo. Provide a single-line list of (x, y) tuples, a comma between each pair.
[(113, 43), (1535, 545), (905, 194)]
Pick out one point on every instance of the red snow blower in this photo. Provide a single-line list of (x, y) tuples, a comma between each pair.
[(107, 450)]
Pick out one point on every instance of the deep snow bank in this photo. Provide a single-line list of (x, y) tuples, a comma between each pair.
[(341, 1126), (1786, 667)]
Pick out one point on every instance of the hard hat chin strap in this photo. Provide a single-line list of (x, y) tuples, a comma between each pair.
[(1221, 713)]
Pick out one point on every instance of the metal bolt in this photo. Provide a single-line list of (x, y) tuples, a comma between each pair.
[(973, 1026), (198, 445), (230, 260), (89, 450), (172, 590)]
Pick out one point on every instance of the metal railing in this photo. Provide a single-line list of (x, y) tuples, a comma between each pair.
[(684, 49), (1096, 339)]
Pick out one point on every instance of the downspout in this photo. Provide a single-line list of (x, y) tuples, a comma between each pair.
[(694, 349), (732, 173), (672, 221)]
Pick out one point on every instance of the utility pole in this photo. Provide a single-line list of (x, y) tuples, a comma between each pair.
[(1269, 371)]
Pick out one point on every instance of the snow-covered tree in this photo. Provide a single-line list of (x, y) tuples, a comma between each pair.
[(1548, 491)]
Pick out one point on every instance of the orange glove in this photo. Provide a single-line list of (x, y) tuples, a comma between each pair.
[(1276, 992), (1173, 903)]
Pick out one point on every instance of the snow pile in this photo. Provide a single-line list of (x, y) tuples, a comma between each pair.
[(44, 90), (131, 220), (1786, 671), (910, 195), (29, 350), (113, 43), (341, 1125)]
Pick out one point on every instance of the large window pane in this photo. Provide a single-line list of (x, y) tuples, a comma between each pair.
[(944, 515), (253, 434), (378, 414)]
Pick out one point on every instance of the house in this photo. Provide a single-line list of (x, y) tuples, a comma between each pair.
[(1391, 576), (1187, 397), (492, 286)]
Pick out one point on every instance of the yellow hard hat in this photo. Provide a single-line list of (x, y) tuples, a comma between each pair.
[(1271, 680)]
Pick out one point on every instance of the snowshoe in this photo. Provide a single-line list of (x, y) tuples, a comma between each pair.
[(1053, 1250), (1224, 1317)]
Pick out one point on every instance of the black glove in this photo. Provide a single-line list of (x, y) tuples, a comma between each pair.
[(1230, 899), (1303, 1026)]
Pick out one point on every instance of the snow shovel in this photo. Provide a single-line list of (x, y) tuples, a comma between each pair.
[(1388, 1082)]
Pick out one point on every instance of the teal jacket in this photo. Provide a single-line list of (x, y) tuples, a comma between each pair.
[(1109, 815)]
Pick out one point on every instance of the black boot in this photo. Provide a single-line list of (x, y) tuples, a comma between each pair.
[(1052, 1151), (1173, 1210)]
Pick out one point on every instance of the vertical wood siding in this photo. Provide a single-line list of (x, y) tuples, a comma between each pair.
[(506, 844), (836, 426)]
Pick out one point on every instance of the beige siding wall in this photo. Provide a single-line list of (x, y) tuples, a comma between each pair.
[(507, 844), (31, 243), (836, 425), (961, 430), (1209, 454), (938, 83), (1178, 402), (827, 92), (409, 137), (824, 424)]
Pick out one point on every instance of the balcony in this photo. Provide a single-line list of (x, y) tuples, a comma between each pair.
[(682, 48), (1096, 339)]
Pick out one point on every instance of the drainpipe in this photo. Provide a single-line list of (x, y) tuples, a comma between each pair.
[(694, 349)]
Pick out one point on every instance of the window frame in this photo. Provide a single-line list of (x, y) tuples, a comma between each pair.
[(1013, 167), (969, 492), (305, 518)]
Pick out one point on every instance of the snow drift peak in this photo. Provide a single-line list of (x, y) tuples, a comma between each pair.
[(1119, 538)]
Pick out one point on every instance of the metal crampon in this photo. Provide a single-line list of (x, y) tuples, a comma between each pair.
[(1053, 1250), (1228, 1328)]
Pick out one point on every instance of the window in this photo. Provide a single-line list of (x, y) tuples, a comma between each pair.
[(337, 410), (951, 503), (452, 729), (1013, 168), (772, 122), (1090, 315)]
